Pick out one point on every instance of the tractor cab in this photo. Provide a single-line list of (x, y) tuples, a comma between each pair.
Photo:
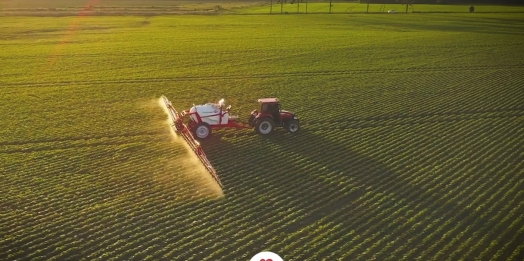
[(270, 115), (270, 106)]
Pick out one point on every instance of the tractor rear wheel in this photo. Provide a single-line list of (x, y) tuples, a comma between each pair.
[(264, 126), (292, 126), (202, 130)]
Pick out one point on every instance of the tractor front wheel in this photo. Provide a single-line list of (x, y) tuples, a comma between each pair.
[(293, 126), (264, 126), (202, 130)]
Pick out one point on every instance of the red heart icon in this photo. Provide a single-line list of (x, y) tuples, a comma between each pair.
[(266, 259)]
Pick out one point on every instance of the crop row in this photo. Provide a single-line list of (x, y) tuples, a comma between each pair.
[(451, 129), (377, 211), (355, 210), (396, 159), (358, 112)]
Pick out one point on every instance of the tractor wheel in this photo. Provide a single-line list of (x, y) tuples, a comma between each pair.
[(293, 126), (202, 130), (264, 126)]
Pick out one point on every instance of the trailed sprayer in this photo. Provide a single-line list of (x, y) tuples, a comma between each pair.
[(200, 120)]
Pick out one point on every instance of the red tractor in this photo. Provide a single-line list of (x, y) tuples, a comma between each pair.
[(199, 121), (271, 116)]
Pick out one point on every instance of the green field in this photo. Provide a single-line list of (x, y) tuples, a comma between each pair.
[(411, 141), (355, 7), (49, 8), (244, 7)]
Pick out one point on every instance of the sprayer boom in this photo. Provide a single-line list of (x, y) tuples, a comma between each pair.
[(183, 130)]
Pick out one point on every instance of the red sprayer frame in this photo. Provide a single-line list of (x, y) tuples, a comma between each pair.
[(180, 128)]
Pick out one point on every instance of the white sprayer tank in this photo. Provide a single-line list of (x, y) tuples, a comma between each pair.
[(209, 113)]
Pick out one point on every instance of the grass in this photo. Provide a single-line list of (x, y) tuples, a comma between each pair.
[(410, 147), (171, 7), (108, 3), (352, 7), (118, 7)]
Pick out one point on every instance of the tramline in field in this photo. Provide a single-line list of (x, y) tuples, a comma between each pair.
[(199, 121)]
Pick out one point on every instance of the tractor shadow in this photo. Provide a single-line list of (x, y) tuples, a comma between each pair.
[(340, 174), (294, 169), (320, 181)]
